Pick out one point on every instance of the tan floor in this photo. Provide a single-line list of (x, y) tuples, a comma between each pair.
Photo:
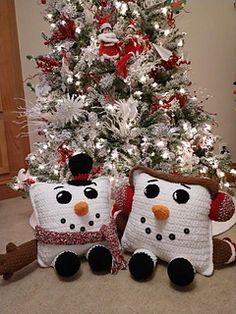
[(40, 291)]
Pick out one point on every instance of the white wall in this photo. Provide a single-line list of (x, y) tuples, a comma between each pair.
[(210, 45)]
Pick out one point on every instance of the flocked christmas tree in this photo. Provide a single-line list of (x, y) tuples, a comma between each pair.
[(115, 85)]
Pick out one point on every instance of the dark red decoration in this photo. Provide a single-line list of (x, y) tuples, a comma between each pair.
[(101, 19), (43, 1), (96, 170), (64, 154), (165, 103), (170, 19), (29, 181), (66, 30), (104, 3), (47, 64), (174, 62)]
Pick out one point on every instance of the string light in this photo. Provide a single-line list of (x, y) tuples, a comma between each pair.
[(78, 30), (56, 172), (70, 80), (49, 16), (164, 10), (180, 43), (166, 32), (143, 79), (32, 158)]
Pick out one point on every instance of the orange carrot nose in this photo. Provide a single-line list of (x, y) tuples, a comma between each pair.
[(81, 208), (161, 212)]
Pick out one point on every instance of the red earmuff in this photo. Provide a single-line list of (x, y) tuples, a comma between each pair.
[(222, 207)]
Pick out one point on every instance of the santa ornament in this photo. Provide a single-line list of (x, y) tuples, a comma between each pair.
[(131, 47), (73, 220), (169, 218), (109, 48)]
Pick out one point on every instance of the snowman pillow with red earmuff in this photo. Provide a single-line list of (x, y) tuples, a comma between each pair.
[(169, 218)]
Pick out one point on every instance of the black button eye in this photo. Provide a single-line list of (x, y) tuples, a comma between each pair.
[(90, 193), (64, 197), (181, 196), (152, 191)]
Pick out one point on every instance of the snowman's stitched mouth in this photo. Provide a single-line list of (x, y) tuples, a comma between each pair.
[(82, 228)]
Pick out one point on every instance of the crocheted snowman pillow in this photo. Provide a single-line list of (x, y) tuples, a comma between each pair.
[(170, 219), (74, 219)]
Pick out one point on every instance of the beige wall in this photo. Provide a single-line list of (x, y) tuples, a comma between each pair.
[(210, 45)]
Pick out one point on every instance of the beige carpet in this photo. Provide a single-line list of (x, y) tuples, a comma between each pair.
[(40, 291)]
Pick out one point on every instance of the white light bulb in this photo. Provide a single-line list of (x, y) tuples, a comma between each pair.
[(143, 79), (41, 167), (161, 144), (180, 43), (227, 185), (221, 174), (208, 127), (49, 16), (166, 32), (233, 171), (32, 158), (70, 80), (78, 30), (118, 4), (156, 26), (182, 90), (165, 155), (164, 10), (123, 8), (53, 25)]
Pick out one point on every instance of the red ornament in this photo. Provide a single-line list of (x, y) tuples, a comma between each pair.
[(47, 64), (174, 62), (104, 3), (170, 19), (43, 1), (64, 154), (96, 170), (29, 181), (66, 30), (165, 103)]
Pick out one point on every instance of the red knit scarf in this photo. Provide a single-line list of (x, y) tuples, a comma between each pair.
[(106, 233)]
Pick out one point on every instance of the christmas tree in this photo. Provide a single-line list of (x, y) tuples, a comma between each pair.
[(115, 85)]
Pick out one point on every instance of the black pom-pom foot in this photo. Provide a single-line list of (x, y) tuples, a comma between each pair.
[(67, 264), (141, 266), (181, 272), (100, 259)]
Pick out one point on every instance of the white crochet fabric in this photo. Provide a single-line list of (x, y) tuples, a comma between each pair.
[(195, 244), (49, 214)]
